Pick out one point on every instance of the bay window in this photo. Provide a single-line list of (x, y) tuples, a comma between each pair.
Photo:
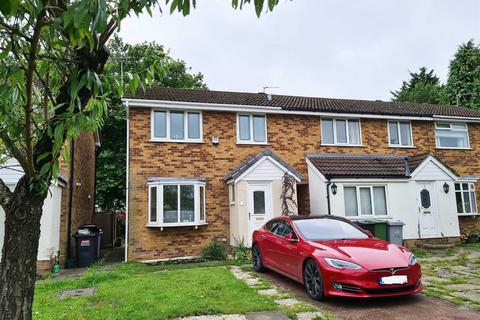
[(176, 202), (466, 198), (172, 125), (341, 131), (365, 200), (451, 135), (251, 129), (400, 133)]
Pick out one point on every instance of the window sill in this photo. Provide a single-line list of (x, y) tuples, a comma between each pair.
[(343, 145), (452, 148), (401, 147), (176, 141), (251, 142), (175, 225), (467, 214)]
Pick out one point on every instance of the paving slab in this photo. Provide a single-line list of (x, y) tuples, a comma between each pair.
[(308, 315), (287, 302), (268, 292), (215, 317), (268, 315), (252, 281), (77, 293), (472, 295), (463, 287)]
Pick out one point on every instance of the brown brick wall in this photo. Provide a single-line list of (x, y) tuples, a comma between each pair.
[(290, 136), (83, 191)]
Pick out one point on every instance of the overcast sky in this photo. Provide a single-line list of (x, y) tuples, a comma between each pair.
[(328, 48)]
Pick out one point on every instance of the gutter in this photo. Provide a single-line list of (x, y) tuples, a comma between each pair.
[(127, 182)]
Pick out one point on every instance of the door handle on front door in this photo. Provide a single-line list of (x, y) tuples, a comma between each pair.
[(249, 215)]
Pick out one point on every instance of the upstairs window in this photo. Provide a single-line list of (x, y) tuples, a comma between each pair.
[(251, 129), (400, 133), (176, 203), (365, 201), (182, 126), (466, 198), (341, 132), (451, 135)]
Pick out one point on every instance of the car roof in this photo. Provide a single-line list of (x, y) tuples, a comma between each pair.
[(298, 217)]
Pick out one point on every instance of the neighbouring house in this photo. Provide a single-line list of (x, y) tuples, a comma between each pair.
[(69, 204), (206, 165)]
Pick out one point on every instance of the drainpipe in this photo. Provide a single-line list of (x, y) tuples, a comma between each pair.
[(328, 197), (70, 203), (126, 184)]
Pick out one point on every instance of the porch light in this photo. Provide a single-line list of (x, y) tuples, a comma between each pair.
[(334, 189), (446, 187)]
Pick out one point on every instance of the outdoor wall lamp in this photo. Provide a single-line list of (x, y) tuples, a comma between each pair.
[(334, 188), (446, 187)]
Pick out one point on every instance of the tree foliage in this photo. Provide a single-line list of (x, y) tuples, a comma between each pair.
[(422, 87), (463, 84), (111, 159), (52, 87), (462, 87)]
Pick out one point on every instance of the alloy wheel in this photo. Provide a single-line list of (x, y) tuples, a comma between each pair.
[(313, 280)]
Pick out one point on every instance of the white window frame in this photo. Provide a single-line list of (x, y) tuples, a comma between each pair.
[(232, 193), (251, 140), (461, 191), (450, 129), (359, 206), (400, 145), (196, 187), (167, 138), (335, 143)]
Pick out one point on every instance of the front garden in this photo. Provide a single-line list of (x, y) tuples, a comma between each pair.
[(453, 274)]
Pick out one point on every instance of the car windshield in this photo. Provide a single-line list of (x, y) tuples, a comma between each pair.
[(328, 229)]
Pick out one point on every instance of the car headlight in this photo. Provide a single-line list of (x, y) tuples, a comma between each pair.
[(412, 260), (342, 264)]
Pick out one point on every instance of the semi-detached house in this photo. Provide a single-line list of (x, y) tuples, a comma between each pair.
[(206, 165)]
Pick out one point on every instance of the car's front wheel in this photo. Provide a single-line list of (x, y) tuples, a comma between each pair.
[(312, 279), (257, 259)]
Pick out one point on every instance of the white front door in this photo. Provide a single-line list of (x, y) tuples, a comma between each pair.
[(427, 219), (259, 206)]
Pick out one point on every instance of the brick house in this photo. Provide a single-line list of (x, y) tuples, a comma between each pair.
[(69, 204), (209, 164)]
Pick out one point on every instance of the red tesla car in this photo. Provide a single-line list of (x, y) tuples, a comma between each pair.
[(332, 256)]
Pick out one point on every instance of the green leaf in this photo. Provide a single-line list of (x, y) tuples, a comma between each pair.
[(9, 7), (258, 7), (100, 22)]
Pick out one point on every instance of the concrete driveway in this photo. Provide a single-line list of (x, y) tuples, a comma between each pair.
[(414, 307)]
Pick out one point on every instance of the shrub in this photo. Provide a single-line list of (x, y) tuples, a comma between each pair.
[(214, 251), (241, 251)]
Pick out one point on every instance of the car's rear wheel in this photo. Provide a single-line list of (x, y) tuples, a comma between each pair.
[(257, 259), (313, 281)]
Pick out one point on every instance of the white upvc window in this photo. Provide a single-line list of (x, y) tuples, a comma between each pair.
[(341, 132), (232, 195), (400, 133), (365, 201), (176, 126), (451, 135), (466, 198), (176, 203), (251, 128)]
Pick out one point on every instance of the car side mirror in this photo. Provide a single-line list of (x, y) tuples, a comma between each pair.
[(291, 237), (368, 232)]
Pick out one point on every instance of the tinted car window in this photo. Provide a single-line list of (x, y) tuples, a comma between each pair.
[(328, 229), (283, 229), (272, 225)]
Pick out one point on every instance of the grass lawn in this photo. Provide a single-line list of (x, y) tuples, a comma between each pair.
[(134, 291)]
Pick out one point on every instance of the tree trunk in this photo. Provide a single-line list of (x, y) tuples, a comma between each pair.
[(19, 257)]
